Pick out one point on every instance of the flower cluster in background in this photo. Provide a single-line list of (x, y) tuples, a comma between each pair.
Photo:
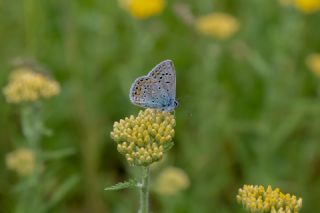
[(308, 6), (217, 25), (143, 139), (142, 9), (305, 6), (257, 199), (22, 161), (171, 181), (313, 63), (26, 85)]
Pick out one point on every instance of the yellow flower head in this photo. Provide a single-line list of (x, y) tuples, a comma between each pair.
[(142, 9), (26, 85), (313, 63), (21, 161), (171, 181), (307, 6), (218, 25), (144, 139), (257, 199)]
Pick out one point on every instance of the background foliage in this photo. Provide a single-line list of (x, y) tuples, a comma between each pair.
[(249, 108)]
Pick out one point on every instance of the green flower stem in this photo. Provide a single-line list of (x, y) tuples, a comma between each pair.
[(31, 124), (144, 190)]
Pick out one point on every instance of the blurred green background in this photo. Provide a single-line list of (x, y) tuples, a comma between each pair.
[(249, 107)]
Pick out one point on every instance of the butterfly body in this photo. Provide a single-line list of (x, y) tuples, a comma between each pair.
[(157, 89)]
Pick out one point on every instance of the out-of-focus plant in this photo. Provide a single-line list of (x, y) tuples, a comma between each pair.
[(171, 181), (27, 88), (143, 140), (313, 63), (22, 161), (217, 25), (257, 199), (307, 6), (143, 9)]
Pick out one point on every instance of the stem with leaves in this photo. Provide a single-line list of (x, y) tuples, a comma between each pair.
[(32, 127)]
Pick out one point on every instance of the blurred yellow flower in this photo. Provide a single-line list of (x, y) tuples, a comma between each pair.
[(257, 199), (142, 9), (217, 25), (313, 63), (171, 181), (144, 138), (21, 161), (307, 6), (26, 85)]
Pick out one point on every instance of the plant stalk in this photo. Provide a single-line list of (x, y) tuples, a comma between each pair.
[(144, 190)]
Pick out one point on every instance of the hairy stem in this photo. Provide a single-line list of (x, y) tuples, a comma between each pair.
[(31, 124), (144, 190)]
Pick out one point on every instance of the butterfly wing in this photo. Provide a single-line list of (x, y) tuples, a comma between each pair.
[(157, 89), (164, 73), (144, 93)]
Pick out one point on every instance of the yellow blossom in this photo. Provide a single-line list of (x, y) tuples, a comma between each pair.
[(313, 63), (171, 181), (144, 139), (217, 25), (26, 85), (307, 6), (257, 199), (142, 9), (21, 161)]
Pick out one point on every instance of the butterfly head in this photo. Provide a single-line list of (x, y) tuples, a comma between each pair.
[(176, 104)]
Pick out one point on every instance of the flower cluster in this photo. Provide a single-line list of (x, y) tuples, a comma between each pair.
[(171, 181), (21, 161), (313, 63), (142, 9), (143, 139), (308, 6), (26, 85), (217, 25), (257, 199)]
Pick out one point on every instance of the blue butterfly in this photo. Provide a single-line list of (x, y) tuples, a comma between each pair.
[(157, 89)]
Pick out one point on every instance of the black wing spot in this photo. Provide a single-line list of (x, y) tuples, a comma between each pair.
[(168, 82), (161, 77), (159, 88)]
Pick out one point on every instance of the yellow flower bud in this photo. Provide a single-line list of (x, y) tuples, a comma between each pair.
[(21, 161), (257, 199), (218, 25), (171, 181), (144, 136), (26, 85)]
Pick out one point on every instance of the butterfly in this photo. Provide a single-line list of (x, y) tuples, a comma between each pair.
[(157, 89)]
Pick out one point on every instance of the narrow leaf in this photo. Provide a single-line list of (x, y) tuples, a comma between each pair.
[(123, 185)]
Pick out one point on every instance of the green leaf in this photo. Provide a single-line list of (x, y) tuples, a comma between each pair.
[(58, 154), (168, 146), (61, 192), (123, 185)]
